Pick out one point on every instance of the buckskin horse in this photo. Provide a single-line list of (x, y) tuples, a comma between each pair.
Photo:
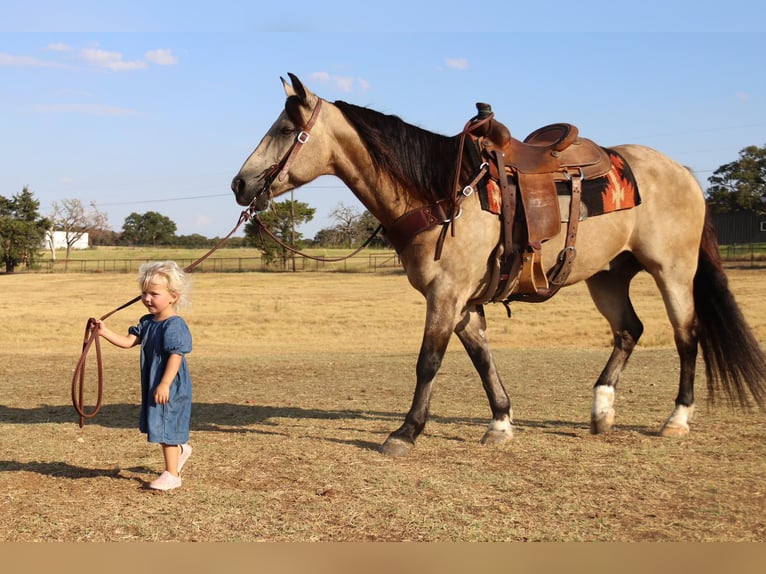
[(482, 217)]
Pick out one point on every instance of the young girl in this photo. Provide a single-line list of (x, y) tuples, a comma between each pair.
[(165, 383)]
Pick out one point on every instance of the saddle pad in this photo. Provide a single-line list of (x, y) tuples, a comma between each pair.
[(615, 191)]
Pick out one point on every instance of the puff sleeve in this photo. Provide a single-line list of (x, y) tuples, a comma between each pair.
[(176, 338)]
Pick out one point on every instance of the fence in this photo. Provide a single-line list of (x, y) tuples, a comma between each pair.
[(750, 255), (373, 262)]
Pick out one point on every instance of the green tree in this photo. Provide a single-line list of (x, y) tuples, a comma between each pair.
[(282, 220), (22, 229), (740, 185), (151, 228)]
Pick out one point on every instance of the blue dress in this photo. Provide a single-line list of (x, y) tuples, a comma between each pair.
[(168, 423)]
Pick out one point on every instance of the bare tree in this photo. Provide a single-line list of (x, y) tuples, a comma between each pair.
[(71, 217), (346, 219)]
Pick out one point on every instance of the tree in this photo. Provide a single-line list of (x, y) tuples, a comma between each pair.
[(151, 228), (740, 185), (346, 219), (72, 218), (22, 229), (281, 219), (351, 229)]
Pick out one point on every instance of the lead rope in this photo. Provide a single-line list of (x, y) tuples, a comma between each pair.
[(262, 228), (90, 337)]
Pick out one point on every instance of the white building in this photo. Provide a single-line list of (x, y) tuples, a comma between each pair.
[(59, 241)]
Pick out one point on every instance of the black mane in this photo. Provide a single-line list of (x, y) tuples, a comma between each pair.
[(417, 159)]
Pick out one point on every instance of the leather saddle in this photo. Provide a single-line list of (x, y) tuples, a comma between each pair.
[(551, 153)]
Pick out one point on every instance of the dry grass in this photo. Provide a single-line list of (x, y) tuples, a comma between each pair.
[(299, 377)]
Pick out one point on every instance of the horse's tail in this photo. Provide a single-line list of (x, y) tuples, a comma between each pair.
[(734, 362)]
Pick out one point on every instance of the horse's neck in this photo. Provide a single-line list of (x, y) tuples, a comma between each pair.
[(383, 198)]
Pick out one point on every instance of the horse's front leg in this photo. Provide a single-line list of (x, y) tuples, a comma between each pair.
[(440, 322), (471, 331)]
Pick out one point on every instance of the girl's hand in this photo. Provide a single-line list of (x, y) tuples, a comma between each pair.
[(162, 393)]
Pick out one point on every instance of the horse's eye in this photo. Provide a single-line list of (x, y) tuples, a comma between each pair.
[(287, 130)]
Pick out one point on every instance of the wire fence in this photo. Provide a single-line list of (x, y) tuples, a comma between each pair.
[(744, 256), (371, 263)]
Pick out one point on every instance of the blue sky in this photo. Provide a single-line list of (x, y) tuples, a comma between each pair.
[(154, 106)]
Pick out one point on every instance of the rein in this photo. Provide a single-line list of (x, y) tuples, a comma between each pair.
[(262, 228), (90, 337)]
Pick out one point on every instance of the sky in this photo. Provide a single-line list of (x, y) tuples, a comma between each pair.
[(154, 105)]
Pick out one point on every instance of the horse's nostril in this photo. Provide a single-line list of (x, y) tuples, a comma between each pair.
[(237, 185)]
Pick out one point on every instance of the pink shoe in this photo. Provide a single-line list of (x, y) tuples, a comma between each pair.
[(165, 481), (186, 451)]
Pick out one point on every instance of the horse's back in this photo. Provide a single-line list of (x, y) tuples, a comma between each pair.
[(663, 229), (670, 219)]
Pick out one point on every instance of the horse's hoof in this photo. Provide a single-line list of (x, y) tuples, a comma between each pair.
[(602, 423), (496, 436), (671, 430), (677, 424), (396, 447)]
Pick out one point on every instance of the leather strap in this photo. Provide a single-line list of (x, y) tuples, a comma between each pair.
[(283, 166), (416, 221), (567, 256), (508, 207)]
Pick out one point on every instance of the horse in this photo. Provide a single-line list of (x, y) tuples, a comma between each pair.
[(396, 169)]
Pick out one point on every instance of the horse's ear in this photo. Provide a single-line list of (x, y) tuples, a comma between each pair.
[(298, 89), (288, 88)]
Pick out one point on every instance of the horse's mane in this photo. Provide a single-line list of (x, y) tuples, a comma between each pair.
[(414, 158)]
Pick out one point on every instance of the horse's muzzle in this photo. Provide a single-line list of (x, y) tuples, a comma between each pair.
[(245, 194)]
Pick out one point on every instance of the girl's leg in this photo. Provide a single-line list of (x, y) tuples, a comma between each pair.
[(171, 452)]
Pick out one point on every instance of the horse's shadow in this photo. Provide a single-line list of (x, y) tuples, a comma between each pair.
[(221, 417), (244, 418)]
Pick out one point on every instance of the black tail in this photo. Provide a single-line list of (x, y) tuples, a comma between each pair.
[(734, 362)]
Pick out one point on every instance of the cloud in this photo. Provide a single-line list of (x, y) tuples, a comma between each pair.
[(457, 63), (95, 57), (161, 57), (88, 109), (343, 83), (58, 47), (111, 60), (319, 76)]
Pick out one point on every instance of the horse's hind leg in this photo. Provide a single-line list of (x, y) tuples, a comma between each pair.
[(471, 332), (676, 286), (610, 293)]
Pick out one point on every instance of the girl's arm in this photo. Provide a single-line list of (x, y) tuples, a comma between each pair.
[(162, 392), (123, 341)]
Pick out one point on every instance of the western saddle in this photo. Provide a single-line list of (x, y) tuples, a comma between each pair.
[(528, 171)]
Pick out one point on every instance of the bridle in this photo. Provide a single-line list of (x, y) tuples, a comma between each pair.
[(279, 170)]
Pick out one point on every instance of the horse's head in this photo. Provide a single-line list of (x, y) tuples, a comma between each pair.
[(272, 169)]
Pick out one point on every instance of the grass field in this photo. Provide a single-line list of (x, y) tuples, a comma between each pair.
[(298, 378)]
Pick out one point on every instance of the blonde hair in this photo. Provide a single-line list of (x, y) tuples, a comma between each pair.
[(169, 274)]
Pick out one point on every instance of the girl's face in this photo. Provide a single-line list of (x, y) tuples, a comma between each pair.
[(158, 300)]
